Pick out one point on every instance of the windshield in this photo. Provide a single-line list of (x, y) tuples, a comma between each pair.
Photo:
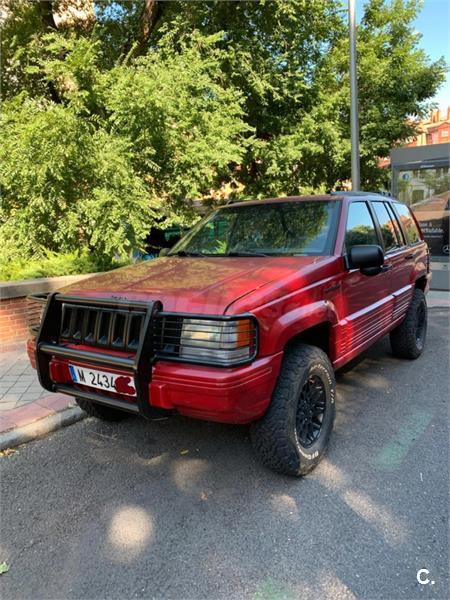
[(304, 228)]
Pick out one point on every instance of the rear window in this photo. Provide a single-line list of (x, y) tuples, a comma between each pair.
[(409, 225)]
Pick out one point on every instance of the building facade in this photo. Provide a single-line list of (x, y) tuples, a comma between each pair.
[(436, 130), (421, 179)]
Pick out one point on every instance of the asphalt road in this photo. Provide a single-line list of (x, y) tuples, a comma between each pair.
[(181, 509)]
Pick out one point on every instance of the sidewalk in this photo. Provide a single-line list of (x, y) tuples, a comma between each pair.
[(436, 299), (26, 410)]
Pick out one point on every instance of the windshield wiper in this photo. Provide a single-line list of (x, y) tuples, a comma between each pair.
[(184, 253), (243, 253)]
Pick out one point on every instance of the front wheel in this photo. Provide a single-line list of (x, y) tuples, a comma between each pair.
[(293, 435), (408, 338)]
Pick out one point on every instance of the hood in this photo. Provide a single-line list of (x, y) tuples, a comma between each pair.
[(195, 284)]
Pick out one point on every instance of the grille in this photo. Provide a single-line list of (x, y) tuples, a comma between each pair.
[(101, 327)]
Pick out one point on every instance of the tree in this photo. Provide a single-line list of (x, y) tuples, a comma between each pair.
[(290, 59), (120, 149), (117, 113)]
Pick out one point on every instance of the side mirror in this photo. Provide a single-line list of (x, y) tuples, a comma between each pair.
[(368, 259), (164, 251)]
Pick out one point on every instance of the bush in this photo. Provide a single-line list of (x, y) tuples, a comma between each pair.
[(53, 265), (122, 150)]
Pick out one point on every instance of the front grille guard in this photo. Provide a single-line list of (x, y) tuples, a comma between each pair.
[(139, 366)]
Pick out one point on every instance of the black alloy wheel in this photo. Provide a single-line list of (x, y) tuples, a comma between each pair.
[(311, 411), (421, 326)]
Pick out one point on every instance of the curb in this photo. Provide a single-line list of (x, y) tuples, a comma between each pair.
[(41, 427), (439, 306), (438, 299)]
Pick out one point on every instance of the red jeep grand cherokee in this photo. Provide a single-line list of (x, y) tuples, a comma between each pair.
[(245, 319)]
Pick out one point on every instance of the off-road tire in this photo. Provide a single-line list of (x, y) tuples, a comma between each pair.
[(105, 413), (408, 338), (275, 437)]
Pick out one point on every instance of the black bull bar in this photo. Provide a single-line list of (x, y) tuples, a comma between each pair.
[(138, 364)]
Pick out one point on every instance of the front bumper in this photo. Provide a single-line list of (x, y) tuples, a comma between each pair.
[(231, 395), (237, 395)]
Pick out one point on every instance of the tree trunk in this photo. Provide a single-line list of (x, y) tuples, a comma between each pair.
[(151, 12)]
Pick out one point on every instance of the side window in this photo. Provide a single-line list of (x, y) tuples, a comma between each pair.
[(412, 233), (360, 227), (396, 224), (388, 229)]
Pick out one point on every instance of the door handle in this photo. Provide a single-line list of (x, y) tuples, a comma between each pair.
[(410, 256), (386, 268), (331, 288)]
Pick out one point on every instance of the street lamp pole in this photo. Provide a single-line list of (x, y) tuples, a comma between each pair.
[(354, 126)]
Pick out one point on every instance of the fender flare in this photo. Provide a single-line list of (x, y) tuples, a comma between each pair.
[(299, 319)]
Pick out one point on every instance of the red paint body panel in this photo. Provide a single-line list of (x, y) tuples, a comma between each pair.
[(238, 395), (287, 295), (196, 285)]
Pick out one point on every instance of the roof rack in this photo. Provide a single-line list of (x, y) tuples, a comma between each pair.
[(361, 193)]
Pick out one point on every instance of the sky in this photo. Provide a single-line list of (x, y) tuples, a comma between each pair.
[(433, 23)]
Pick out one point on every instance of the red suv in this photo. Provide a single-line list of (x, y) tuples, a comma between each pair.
[(244, 320)]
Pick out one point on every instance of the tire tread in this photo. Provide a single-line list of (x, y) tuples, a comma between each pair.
[(403, 337), (269, 437)]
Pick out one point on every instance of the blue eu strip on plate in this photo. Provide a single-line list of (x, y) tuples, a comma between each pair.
[(73, 373)]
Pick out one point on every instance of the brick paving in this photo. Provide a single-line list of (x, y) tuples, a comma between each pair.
[(19, 384), (27, 410)]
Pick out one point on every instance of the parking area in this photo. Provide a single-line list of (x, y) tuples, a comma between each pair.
[(182, 509)]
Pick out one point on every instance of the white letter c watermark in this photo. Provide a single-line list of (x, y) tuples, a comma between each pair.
[(423, 580)]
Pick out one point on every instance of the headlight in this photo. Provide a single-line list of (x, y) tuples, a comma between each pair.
[(224, 342)]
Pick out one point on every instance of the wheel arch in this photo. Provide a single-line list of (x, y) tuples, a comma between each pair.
[(421, 283), (318, 335), (311, 323)]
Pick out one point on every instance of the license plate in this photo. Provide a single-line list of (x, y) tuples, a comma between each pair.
[(102, 380)]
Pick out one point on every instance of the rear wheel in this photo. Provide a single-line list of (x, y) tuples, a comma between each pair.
[(408, 339), (105, 413), (292, 436)]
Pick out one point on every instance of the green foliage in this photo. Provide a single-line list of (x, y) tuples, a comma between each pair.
[(186, 129), (290, 60), (52, 265), (67, 184), (110, 129), (121, 149)]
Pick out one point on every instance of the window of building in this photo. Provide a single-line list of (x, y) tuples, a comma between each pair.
[(412, 233), (360, 226), (444, 133)]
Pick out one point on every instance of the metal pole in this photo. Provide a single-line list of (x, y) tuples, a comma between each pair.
[(354, 127)]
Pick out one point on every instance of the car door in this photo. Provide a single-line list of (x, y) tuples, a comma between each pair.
[(398, 254), (405, 265), (366, 301)]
